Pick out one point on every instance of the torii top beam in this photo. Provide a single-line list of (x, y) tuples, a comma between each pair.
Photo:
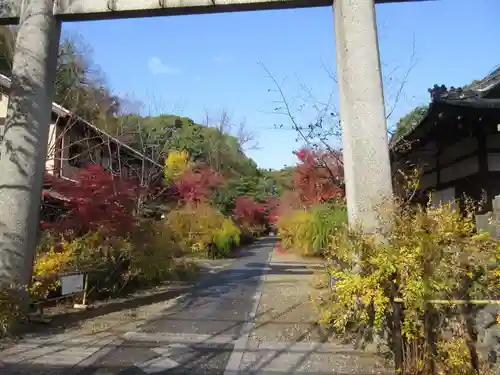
[(81, 10)]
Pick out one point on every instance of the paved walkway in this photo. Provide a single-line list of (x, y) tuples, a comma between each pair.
[(251, 317)]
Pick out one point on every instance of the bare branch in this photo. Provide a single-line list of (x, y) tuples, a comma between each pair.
[(404, 81), (246, 139), (325, 128)]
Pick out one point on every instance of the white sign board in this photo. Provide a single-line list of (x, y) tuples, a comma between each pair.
[(71, 284)]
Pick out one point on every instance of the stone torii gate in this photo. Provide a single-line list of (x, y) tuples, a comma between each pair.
[(22, 163)]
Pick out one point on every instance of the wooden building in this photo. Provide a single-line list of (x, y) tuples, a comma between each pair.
[(456, 146), (74, 143)]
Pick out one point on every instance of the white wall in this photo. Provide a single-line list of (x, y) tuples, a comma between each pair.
[(4, 101), (50, 163)]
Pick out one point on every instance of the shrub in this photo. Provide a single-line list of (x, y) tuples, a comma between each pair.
[(198, 185), (326, 220), (226, 238), (199, 228), (52, 258), (420, 255), (105, 258), (308, 232), (146, 257), (294, 231), (11, 311), (153, 255), (249, 212)]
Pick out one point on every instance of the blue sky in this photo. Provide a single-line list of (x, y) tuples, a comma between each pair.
[(190, 64)]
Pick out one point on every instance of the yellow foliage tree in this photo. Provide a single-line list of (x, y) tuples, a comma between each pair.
[(176, 164)]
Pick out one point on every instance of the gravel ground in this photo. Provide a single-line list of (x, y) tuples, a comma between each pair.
[(286, 311), (285, 337)]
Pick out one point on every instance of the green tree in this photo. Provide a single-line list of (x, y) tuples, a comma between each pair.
[(80, 86), (408, 122), (259, 188), (283, 179)]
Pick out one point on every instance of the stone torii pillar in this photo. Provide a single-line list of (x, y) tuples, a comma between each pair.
[(24, 147), (367, 168)]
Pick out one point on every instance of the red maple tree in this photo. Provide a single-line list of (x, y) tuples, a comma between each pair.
[(249, 212), (197, 185), (95, 200), (318, 176), (273, 205)]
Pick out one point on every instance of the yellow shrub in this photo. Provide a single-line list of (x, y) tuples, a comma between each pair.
[(454, 355), (308, 232), (419, 255), (56, 259), (91, 252), (294, 231), (193, 227), (227, 236), (197, 228), (152, 258), (176, 164)]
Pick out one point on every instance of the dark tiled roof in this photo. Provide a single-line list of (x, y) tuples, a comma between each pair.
[(479, 94), (487, 88)]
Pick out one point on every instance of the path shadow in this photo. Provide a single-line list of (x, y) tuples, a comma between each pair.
[(182, 369), (69, 319), (59, 322), (233, 278), (249, 250)]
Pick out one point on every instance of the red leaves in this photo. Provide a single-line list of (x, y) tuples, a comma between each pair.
[(198, 185), (302, 154), (44, 225), (273, 206), (249, 212), (96, 201), (318, 176)]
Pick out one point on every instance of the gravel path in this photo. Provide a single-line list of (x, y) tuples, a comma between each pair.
[(285, 338)]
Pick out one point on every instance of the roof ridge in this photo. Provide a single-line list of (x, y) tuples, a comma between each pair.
[(478, 88), (61, 111)]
